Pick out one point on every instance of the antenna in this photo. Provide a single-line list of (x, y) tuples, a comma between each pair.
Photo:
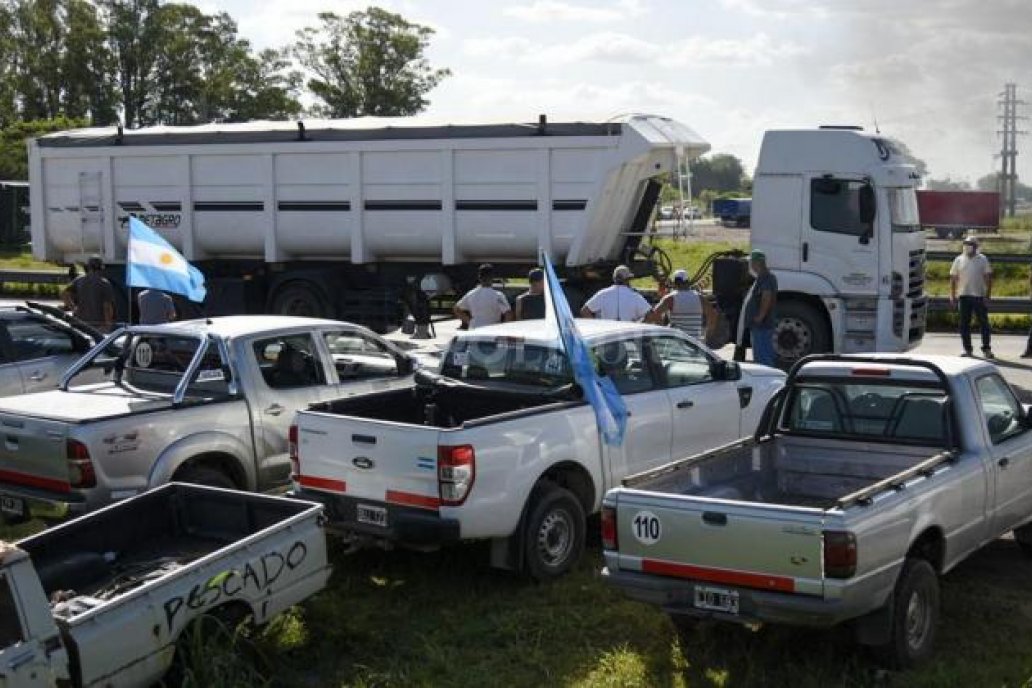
[(874, 116)]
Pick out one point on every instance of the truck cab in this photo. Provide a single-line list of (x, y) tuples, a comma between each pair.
[(835, 212)]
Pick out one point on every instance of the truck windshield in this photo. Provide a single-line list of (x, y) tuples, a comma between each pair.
[(903, 208), (890, 412), (507, 360)]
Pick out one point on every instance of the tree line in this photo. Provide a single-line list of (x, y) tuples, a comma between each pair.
[(66, 63)]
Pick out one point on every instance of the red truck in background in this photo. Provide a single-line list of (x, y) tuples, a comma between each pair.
[(951, 214)]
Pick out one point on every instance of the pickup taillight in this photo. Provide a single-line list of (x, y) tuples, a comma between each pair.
[(839, 554), (80, 466), (609, 539), (295, 462), (456, 471)]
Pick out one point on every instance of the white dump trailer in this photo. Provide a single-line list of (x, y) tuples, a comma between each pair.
[(349, 218)]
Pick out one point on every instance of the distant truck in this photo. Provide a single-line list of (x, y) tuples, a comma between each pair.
[(14, 213), (103, 600), (733, 212), (952, 214)]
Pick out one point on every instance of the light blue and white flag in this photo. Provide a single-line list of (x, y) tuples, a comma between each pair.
[(605, 399), (154, 264)]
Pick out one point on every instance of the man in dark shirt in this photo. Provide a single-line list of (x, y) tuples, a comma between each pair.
[(156, 307), (90, 297), (759, 309), (530, 305)]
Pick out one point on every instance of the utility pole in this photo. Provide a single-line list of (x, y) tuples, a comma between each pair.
[(1008, 183)]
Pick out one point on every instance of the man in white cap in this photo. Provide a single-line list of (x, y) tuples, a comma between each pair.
[(618, 302), (686, 309), (971, 283)]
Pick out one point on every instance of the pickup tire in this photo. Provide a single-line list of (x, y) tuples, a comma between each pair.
[(553, 533), (1023, 536), (915, 616), (204, 475)]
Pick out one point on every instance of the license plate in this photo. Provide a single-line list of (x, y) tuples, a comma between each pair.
[(373, 515), (12, 506), (716, 599)]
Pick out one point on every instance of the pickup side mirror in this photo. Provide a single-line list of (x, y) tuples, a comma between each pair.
[(406, 364), (727, 371)]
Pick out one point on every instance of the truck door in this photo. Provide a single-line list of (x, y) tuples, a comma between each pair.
[(291, 373), (1011, 447), (24, 663), (706, 412), (837, 245), (647, 438)]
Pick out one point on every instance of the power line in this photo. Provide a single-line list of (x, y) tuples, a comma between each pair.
[(1008, 182)]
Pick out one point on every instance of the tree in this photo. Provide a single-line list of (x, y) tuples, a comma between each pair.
[(37, 40), (367, 63), (132, 35), (991, 182), (719, 173), (947, 184), (87, 66), (14, 162), (8, 106), (910, 158)]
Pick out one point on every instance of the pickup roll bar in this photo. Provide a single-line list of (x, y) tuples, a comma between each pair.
[(793, 372)]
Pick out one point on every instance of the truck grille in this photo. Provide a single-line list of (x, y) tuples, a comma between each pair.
[(916, 278)]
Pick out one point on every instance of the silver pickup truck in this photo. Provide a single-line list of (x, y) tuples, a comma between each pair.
[(103, 600), (868, 479), (201, 401)]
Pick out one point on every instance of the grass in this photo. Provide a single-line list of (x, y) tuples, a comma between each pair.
[(444, 619)]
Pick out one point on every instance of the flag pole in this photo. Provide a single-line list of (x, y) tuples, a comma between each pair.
[(128, 270)]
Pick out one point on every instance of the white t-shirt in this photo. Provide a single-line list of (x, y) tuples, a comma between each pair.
[(970, 274), (618, 302), (485, 305)]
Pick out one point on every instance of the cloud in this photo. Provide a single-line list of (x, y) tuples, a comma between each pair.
[(557, 10), (760, 50)]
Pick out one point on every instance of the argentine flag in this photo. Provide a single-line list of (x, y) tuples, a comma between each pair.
[(605, 399), (154, 264)]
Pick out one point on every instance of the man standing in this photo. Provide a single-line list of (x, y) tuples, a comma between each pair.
[(530, 305), (618, 302), (483, 305), (156, 307), (90, 297), (759, 310), (971, 281), (686, 308)]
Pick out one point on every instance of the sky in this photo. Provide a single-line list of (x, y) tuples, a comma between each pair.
[(928, 72)]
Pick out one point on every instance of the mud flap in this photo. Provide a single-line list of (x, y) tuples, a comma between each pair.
[(875, 628)]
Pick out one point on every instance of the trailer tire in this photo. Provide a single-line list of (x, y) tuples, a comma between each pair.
[(553, 532), (298, 298), (799, 330), (204, 475), (915, 616)]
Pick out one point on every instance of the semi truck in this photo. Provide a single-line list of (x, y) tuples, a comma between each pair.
[(362, 219), (952, 214)]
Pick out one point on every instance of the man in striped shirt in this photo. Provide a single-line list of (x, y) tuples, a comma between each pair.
[(685, 308)]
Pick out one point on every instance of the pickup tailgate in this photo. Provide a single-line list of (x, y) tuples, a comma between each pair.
[(378, 461), (33, 453), (766, 547)]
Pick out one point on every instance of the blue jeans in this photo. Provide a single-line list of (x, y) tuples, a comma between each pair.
[(762, 339), (973, 305)]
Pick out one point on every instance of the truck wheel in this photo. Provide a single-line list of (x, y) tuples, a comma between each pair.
[(1023, 536), (204, 475), (915, 616), (298, 299), (554, 532), (799, 331)]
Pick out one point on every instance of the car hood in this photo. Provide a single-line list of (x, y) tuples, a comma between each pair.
[(85, 403)]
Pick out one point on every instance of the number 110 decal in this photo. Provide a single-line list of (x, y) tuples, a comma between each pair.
[(646, 527)]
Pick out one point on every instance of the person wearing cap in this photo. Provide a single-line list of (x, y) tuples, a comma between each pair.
[(530, 305), (685, 308), (156, 307), (90, 297), (971, 284), (618, 302), (483, 305), (758, 314)]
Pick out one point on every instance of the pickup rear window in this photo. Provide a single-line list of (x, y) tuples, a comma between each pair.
[(156, 363), (507, 360), (883, 412)]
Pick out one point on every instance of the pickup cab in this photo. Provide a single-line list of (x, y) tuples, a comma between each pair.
[(102, 600), (499, 445), (868, 479), (201, 401)]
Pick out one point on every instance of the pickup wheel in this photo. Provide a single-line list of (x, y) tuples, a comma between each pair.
[(1023, 536), (554, 532), (204, 475), (915, 616)]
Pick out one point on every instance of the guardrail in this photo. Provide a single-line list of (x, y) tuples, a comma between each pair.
[(32, 277)]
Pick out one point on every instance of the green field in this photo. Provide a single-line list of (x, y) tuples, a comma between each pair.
[(445, 619)]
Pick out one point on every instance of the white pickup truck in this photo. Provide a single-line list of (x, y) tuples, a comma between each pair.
[(102, 600), (200, 401), (500, 446), (868, 479)]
